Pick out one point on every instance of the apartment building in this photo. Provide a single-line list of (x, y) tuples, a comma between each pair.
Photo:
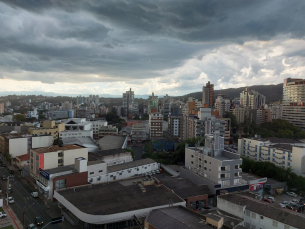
[(166, 105), (175, 123), (48, 128), (78, 124), (222, 106), (128, 105), (257, 214), (208, 95), (294, 102), (156, 125), (138, 132), (191, 105), (152, 103), (214, 163), (76, 134), (252, 99), (107, 130), (285, 153), (54, 156), (96, 125), (227, 129), (239, 113)]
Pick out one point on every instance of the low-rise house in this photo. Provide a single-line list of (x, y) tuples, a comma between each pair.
[(23, 160)]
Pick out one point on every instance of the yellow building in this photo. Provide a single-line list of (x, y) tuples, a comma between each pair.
[(49, 127)]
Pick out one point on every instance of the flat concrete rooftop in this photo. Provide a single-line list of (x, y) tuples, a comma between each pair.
[(117, 197)]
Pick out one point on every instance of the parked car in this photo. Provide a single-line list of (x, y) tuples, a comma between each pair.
[(34, 194), (290, 205), (4, 177), (4, 165), (295, 201), (38, 221), (267, 200), (11, 171), (11, 200), (291, 194), (157, 171), (298, 208), (2, 214), (283, 204), (31, 226), (271, 198)]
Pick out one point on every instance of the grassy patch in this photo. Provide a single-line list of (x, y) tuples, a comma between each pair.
[(1, 209), (8, 227)]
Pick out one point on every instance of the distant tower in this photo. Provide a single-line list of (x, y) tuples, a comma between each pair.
[(208, 95)]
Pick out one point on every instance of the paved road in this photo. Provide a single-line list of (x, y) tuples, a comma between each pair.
[(23, 200), (138, 151)]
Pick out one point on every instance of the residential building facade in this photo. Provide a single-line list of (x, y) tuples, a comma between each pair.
[(208, 95), (252, 99), (285, 153), (294, 102), (48, 128), (156, 125)]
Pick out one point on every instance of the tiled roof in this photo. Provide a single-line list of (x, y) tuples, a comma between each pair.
[(24, 157)]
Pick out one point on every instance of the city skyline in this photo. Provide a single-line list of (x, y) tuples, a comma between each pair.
[(106, 48)]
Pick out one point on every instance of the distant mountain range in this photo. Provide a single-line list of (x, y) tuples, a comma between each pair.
[(273, 93)]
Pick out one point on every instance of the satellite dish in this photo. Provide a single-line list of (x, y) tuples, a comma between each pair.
[(232, 224)]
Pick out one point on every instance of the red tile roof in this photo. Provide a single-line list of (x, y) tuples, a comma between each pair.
[(56, 148), (24, 157)]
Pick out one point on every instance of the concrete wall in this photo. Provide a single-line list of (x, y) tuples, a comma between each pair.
[(42, 141), (50, 160), (231, 208), (124, 173), (118, 158), (97, 170), (18, 146), (170, 171), (70, 155)]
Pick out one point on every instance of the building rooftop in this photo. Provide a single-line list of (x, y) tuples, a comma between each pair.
[(185, 193), (55, 148), (60, 169), (176, 218), (111, 142), (24, 157), (113, 197), (128, 165), (95, 162), (100, 154), (276, 140), (284, 216)]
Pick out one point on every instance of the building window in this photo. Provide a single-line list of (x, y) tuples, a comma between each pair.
[(60, 154), (247, 213), (60, 184), (287, 227), (274, 223), (253, 215), (111, 175), (100, 171), (262, 217), (92, 173)]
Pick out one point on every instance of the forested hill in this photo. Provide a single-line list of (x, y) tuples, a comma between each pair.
[(273, 93)]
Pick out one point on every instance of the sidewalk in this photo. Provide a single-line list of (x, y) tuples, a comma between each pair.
[(11, 219)]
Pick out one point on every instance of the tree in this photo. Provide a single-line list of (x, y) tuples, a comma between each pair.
[(41, 117), (149, 147), (19, 118)]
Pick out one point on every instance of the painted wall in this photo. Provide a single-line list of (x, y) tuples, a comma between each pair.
[(18, 146), (42, 141), (70, 155)]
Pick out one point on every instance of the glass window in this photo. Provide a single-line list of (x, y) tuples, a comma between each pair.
[(60, 184)]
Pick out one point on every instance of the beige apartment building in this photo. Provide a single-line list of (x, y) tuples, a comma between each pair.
[(239, 112), (50, 128), (54, 156), (294, 101)]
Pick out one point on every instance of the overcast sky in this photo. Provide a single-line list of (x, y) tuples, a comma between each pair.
[(161, 46)]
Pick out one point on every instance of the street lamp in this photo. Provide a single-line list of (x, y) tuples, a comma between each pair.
[(24, 213)]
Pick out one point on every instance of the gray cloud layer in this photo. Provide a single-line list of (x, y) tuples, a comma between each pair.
[(132, 40)]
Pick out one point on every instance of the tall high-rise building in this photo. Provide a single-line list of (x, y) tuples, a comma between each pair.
[(152, 103), (294, 101), (156, 125), (252, 99), (128, 103), (208, 95), (166, 105), (222, 105)]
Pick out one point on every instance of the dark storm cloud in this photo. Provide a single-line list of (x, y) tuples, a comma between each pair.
[(135, 39)]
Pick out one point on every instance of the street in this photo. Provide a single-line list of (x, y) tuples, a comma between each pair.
[(24, 201)]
